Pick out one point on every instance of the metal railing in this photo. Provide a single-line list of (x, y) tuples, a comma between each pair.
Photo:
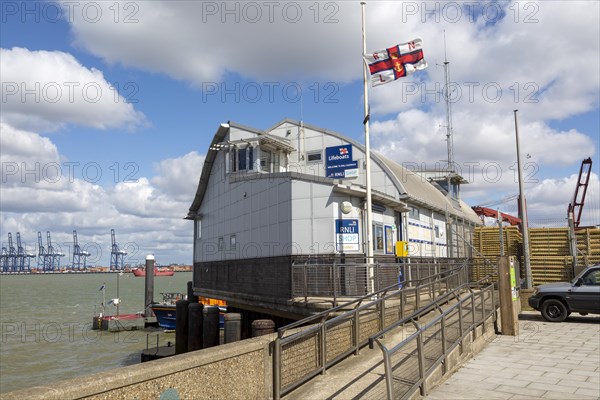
[(308, 347), (336, 280), (408, 363)]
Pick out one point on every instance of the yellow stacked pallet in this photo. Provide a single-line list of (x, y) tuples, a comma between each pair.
[(588, 246), (486, 241), (551, 260), (550, 255)]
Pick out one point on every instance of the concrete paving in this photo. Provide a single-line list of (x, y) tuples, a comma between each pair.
[(546, 361)]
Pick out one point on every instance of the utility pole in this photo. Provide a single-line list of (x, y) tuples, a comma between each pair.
[(499, 220), (523, 213)]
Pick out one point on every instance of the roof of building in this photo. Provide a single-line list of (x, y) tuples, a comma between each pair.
[(419, 190), (412, 187)]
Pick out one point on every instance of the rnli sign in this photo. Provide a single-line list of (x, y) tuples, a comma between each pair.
[(346, 234), (339, 163)]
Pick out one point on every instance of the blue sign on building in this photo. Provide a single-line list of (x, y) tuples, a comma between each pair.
[(339, 163), (346, 234)]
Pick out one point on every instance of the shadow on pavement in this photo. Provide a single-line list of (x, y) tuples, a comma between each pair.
[(575, 318)]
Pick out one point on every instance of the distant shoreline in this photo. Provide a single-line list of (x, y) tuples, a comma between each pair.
[(69, 273)]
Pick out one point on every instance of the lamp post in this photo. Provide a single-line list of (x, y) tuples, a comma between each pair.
[(523, 212)]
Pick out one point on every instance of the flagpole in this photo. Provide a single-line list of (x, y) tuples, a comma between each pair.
[(369, 213)]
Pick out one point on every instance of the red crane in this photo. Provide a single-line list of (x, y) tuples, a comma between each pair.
[(576, 205), (488, 212)]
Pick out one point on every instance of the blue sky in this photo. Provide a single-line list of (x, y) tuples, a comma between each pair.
[(129, 157)]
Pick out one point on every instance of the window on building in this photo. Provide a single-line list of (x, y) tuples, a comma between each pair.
[(314, 156), (265, 160), (250, 158), (233, 160), (232, 242), (270, 161), (242, 159), (378, 237), (276, 162), (414, 213), (198, 229), (389, 239), (221, 244)]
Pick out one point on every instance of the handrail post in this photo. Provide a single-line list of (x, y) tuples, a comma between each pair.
[(388, 374), (305, 273), (335, 286), (493, 302), (473, 308), (356, 333), (460, 325), (402, 303), (447, 280), (382, 313), (323, 347), (432, 288), (377, 276), (293, 281), (482, 308), (277, 367), (444, 346), (421, 357)]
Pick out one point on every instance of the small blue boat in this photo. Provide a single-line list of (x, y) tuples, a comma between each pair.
[(166, 312)]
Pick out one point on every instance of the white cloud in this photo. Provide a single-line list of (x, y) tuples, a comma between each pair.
[(45, 90), (515, 50), (20, 144), (209, 41), (417, 136), (147, 214), (178, 177), (548, 201)]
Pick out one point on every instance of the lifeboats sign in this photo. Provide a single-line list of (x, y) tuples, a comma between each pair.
[(339, 163), (346, 234)]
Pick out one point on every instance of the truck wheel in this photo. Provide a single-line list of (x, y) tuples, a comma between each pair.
[(554, 310)]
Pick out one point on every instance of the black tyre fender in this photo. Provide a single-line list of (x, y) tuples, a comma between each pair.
[(554, 310)]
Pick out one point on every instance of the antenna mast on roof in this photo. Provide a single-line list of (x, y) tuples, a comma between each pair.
[(449, 139)]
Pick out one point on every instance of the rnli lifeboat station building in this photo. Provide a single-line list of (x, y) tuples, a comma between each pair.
[(294, 195)]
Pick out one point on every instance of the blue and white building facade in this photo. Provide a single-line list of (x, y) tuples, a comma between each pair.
[(267, 199)]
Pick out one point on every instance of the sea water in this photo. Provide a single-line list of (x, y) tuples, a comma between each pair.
[(46, 325)]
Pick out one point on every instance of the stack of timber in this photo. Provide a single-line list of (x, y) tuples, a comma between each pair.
[(486, 243), (588, 246), (551, 259)]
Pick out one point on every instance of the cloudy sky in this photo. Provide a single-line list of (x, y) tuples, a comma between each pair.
[(108, 108)]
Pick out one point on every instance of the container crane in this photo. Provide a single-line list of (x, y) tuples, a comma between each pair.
[(53, 256), (576, 205), (117, 262), (4, 260), (20, 255), (42, 261), (78, 254), (26, 256), (12, 254), (23, 259)]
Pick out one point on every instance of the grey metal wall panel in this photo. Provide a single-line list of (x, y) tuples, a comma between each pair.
[(317, 140), (256, 211)]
